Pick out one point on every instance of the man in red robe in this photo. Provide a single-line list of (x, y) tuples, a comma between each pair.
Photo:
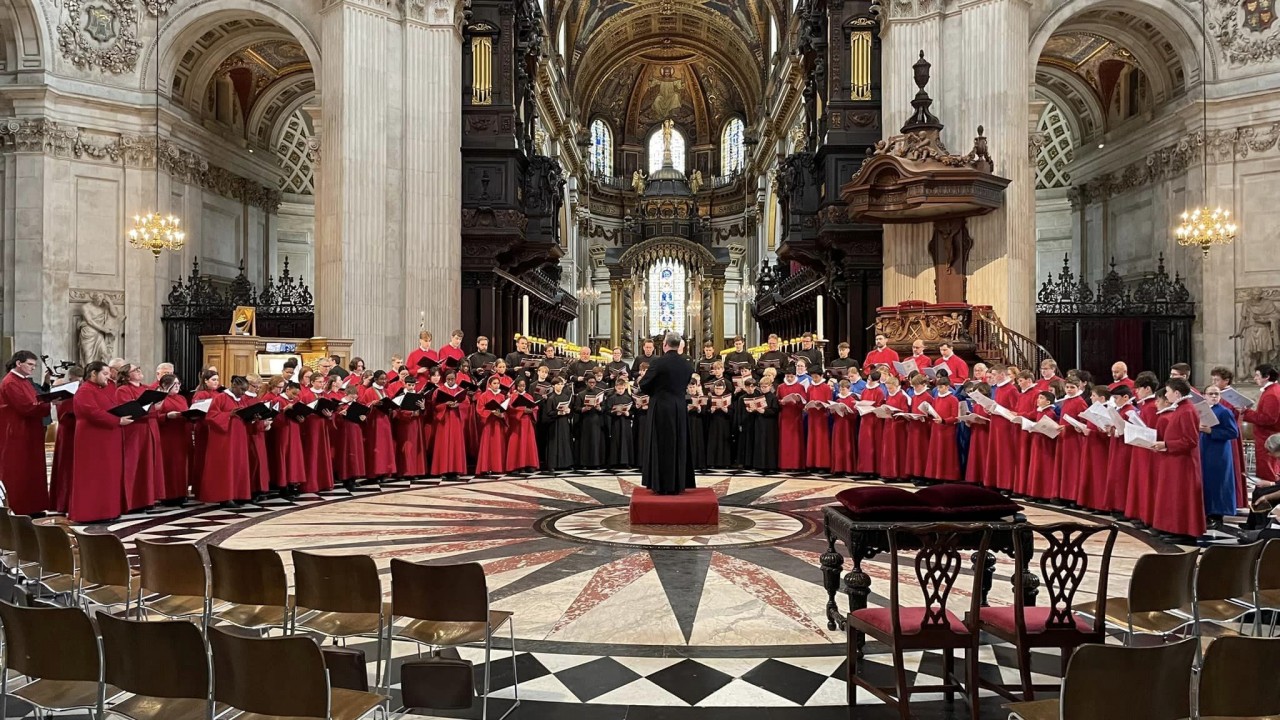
[(791, 445), (957, 368), (453, 351), (143, 461), (1120, 376), (882, 353), (1003, 442), (1138, 504), (64, 446), (22, 460), (97, 481), (1048, 373), (1265, 417), (413, 362), (918, 357), (225, 478), (1179, 503)]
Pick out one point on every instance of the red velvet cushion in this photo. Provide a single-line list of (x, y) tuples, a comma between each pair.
[(956, 501), (1003, 619), (910, 617), (884, 502)]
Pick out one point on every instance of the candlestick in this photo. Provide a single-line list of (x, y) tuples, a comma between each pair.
[(820, 335), (525, 302)]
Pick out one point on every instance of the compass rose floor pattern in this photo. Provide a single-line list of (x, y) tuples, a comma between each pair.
[(614, 620)]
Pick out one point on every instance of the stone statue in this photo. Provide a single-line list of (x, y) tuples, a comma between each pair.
[(1259, 330), (637, 182), (99, 324), (695, 181)]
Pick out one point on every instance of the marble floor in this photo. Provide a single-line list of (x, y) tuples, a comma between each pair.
[(615, 621)]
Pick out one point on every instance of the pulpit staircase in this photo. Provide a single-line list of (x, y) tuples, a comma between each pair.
[(998, 344)]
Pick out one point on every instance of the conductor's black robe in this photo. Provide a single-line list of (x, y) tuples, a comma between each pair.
[(666, 461)]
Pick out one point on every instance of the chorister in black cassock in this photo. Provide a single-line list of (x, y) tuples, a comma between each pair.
[(639, 423), (744, 424), (764, 453), (589, 405), (618, 407), (773, 359), (579, 370), (697, 406), (719, 424), (557, 414)]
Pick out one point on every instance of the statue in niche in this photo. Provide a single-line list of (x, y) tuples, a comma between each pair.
[(637, 182), (1259, 329), (695, 182), (98, 327)]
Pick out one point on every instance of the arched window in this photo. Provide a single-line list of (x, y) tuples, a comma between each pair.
[(666, 297), (732, 148), (655, 149), (1056, 152), (601, 148), (773, 39)]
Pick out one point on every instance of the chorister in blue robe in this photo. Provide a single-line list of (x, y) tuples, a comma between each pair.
[(1217, 464)]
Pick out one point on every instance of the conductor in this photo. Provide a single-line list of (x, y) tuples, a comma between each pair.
[(665, 458)]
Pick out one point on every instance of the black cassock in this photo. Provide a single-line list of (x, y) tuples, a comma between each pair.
[(744, 430), (666, 463), (591, 430), (621, 448), (559, 450), (639, 428), (697, 436), (764, 453), (719, 426)]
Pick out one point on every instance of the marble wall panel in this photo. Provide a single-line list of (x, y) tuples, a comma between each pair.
[(221, 231), (98, 226)]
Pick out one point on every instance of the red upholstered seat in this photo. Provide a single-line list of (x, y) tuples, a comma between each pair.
[(1004, 619), (695, 506), (911, 617)]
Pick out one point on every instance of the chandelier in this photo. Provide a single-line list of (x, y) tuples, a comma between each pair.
[(153, 231), (1204, 227)]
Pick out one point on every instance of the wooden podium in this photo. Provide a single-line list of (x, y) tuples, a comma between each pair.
[(238, 354)]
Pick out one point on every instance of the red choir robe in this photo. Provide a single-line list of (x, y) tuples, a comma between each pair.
[(470, 419), (1118, 458), (979, 439), (143, 461), (818, 426), (844, 437), (201, 431), (349, 458), (1139, 501), (957, 369), (317, 449), (1179, 496), (63, 456), (451, 356), (1127, 382), (870, 430), (1265, 418), (22, 458), (449, 452), (791, 444), (1093, 486), (887, 356), (175, 438), (493, 434), (1042, 385), (944, 455), (422, 374), (894, 434), (287, 466), (1071, 466), (922, 361), (522, 437), (916, 455), (406, 429), (1003, 443), (379, 438), (1042, 480), (1026, 407), (226, 460), (1237, 455), (260, 468), (97, 480)]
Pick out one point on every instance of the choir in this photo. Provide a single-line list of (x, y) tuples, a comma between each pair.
[(1158, 453)]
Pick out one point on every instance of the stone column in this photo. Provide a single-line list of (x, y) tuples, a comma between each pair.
[(717, 312), (616, 291)]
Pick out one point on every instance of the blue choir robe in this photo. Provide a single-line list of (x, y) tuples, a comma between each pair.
[(1217, 464)]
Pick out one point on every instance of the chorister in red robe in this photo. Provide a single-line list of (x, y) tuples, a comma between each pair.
[(493, 430), (429, 418), (208, 391), (791, 444), (916, 455), (894, 435), (175, 438), (944, 456), (844, 434), (1097, 450), (1179, 500), (260, 475), (979, 441), (449, 451), (1026, 406), (1070, 462), (63, 456), (317, 452), (226, 460), (421, 374), (349, 455), (1237, 456), (870, 428), (522, 433), (1003, 443), (1041, 480), (379, 438), (143, 461), (818, 427), (1119, 455), (287, 467), (22, 462), (97, 481), (877, 356), (406, 428), (1265, 418), (957, 369), (1140, 501)]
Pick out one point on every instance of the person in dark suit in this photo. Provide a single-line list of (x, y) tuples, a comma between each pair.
[(667, 464)]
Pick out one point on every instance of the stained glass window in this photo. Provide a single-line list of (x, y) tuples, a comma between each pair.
[(601, 148), (666, 298), (655, 149), (732, 149)]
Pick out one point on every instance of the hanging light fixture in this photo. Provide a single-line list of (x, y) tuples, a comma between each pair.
[(1204, 227), (153, 231)]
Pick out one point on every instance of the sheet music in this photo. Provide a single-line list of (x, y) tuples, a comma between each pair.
[(1074, 422), (864, 410), (1005, 413), (928, 410), (972, 418), (905, 369), (986, 402), (1232, 397), (1099, 415), (1136, 419), (1207, 418), (1047, 427), (1026, 424), (202, 405), (1139, 435)]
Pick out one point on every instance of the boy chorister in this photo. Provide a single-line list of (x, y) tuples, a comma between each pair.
[(522, 438), (764, 451), (870, 428), (719, 426), (944, 412), (622, 452), (1071, 443), (589, 405), (1041, 478), (696, 402), (555, 413), (1093, 486), (844, 431), (818, 427), (744, 423), (917, 454), (894, 434), (491, 406), (792, 396)]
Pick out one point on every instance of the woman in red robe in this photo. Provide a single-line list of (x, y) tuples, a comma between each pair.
[(449, 452), (916, 454), (379, 439), (143, 462), (844, 432), (97, 482), (894, 433), (1027, 407), (210, 384), (1070, 459), (1097, 449), (791, 445), (870, 428), (226, 462), (434, 381), (22, 459), (522, 431), (1041, 481), (317, 450), (406, 427), (175, 438), (1179, 505), (1120, 454), (256, 433), (979, 437), (1139, 501), (944, 456), (818, 427), (288, 466), (64, 447), (493, 430), (349, 441)]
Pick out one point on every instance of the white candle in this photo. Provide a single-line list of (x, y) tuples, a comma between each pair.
[(820, 335), (525, 315)]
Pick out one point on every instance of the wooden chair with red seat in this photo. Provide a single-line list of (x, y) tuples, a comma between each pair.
[(1065, 563), (939, 560)]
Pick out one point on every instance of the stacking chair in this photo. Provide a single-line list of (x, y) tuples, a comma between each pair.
[(1238, 678), (174, 582), (248, 588), (1226, 583), (1115, 682), (1064, 566), (56, 648), (8, 544), (340, 596), (58, 573), (448, 606), (105, 576), (939, 557), (299, 684), (164, 664), (27, 548), (1160, 585), (1268, 587)]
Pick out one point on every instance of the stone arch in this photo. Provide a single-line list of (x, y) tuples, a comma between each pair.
[(276, 104), (24, 32), (1075, 99)]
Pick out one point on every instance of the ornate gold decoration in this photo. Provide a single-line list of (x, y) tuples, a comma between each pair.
[(481, 70), (860, 65)]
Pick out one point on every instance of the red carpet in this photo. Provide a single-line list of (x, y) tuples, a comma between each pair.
[(696, 506)]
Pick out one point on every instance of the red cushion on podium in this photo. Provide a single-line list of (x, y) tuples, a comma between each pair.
[(696, 506)]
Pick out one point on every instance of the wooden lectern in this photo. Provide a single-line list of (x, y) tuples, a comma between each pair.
[(238, 354)]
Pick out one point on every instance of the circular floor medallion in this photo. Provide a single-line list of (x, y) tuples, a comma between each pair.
[(738, 526)]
